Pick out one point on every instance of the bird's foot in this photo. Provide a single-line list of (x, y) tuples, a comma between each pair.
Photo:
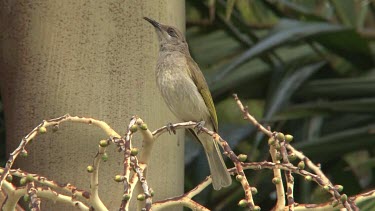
[(200, 126), (171, 128)]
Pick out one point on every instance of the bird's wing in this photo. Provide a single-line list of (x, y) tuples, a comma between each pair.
[(202, 86)]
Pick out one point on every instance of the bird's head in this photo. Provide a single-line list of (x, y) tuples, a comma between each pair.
[(170, 38)]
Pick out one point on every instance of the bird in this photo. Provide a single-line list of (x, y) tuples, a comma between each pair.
[(186, 93)]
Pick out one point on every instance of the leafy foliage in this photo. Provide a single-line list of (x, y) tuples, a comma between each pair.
[(306, 68)]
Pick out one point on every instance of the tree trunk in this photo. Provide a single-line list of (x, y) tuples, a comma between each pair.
[(86, 58)]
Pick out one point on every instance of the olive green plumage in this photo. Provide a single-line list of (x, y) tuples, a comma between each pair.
[(200, 82), (186, 93)]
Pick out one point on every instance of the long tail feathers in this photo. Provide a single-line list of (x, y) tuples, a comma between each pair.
[(219, 173)]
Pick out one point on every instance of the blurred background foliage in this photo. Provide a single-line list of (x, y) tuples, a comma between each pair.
[(304, 67)]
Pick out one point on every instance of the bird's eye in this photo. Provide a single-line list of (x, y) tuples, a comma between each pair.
[(172, 32)]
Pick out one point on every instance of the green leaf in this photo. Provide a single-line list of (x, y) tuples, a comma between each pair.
[(340, 121), (291, 9), (288, 86), (286, 31), (229, 9), (204, 47), (251, 79), (345, 11), (250, 73), (348, 44), (363, 105), (336, 144), (338, 88), (285, 89)]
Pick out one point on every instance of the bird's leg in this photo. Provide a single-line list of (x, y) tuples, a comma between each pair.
[(199, 126), (170, 128)]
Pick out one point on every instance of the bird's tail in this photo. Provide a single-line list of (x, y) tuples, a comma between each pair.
[(219, 173)]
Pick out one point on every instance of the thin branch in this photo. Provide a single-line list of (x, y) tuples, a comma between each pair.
[(250, 118), (14, 194), (126, 148), (280, 203), (34, 200), (348, 205), (95, 200), (67, 188), (185, 199), (41, 128)]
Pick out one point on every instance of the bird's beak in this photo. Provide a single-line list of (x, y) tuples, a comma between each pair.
[(153, 22)]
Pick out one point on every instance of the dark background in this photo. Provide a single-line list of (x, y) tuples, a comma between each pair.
[(303, 67)]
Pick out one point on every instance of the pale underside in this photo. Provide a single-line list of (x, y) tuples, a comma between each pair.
[(179, 91)]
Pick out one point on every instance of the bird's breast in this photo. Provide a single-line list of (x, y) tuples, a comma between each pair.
[(178, 89)]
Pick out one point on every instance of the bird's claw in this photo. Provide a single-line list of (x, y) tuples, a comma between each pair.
[(200, 126), (170, 128)]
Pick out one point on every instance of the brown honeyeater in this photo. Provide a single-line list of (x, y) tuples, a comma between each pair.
[(186, 93)]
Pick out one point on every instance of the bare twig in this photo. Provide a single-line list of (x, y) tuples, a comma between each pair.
[(126, 148), (14, 194), (250, 118), (135, 169), (95, 200), (280, 203), (324, 180), (185, 199), (41, 128), (34, 200)]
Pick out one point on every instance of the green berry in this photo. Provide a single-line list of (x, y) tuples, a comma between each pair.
[(9, 178), (280, 136), (42, 130), (23, 181), (256, 208), (103, 143), (242, 203), (119, 178), (105, 157), (308, 178), (90, 169), (242, 157), (134, 151), (276, 180), (271, 141), (288, 138), (339, 188), (125, 197), (141, 197), (343, 198), (29, 178), (24, 153), (292, 157), (254, 190), (301, 165), (134, 128), (143, 126)]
